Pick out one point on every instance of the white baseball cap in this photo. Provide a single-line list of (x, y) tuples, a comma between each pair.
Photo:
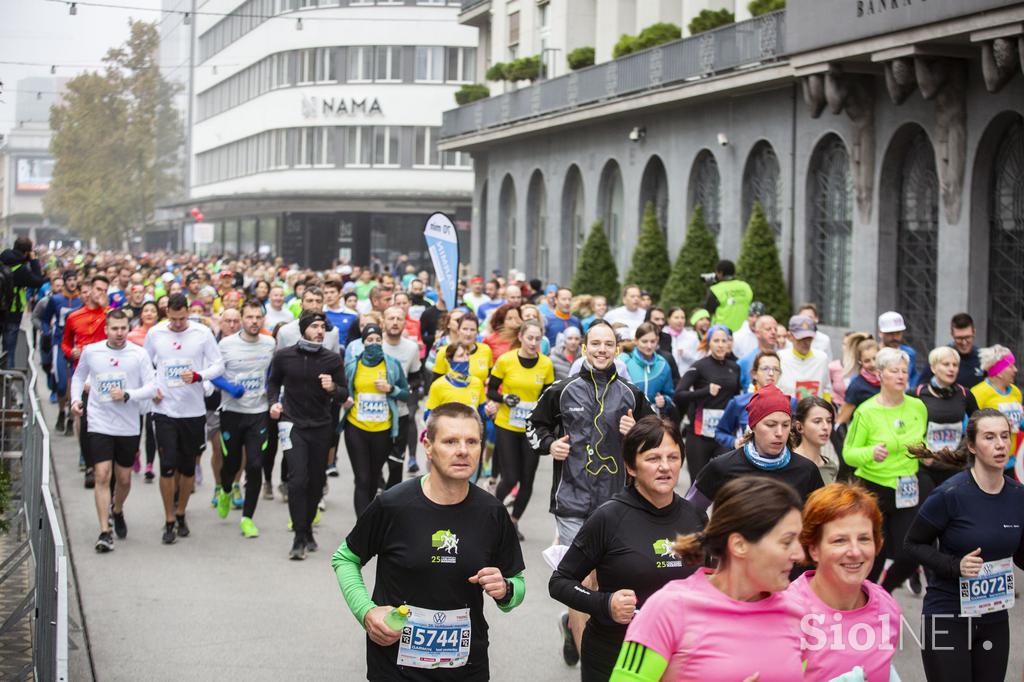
[(890, 322)]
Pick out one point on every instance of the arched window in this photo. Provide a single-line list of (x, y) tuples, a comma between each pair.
[(705, 190), (507, 221), (762, 182), (536, 227), (574, 231), (611, 205), (654, 189), (1006, 241), (481, 227), (917, 242), (830, 211)]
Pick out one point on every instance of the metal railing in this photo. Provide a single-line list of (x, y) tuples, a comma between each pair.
[(741, 45), (24, 436)]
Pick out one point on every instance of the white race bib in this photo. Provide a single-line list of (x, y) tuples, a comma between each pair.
[(518, 415), (1014, 412), (906, 492), (991, 591), (105, 382), (941, 436), (372, 408), (435, 639), (709, 421), (174, 368), (254, 383), (284, 435)]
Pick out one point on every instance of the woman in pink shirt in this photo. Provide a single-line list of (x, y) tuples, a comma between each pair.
[(849, 622), (736, 623)]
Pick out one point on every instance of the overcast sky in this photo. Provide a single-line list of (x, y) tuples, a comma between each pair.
[(42, 31)]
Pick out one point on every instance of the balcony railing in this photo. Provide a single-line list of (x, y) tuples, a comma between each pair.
[(470, 4), (744, 44)]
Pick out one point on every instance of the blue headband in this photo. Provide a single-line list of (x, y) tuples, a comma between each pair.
[(717, 327)]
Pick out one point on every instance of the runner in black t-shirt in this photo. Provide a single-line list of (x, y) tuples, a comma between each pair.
[(440, 544), (765, 454)]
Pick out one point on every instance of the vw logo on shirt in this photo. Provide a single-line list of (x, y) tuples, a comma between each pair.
[(439, 618)]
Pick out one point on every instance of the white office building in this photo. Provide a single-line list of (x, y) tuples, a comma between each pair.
[(314, 128)]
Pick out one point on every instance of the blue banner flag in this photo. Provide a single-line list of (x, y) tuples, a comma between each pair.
[(443, 245)]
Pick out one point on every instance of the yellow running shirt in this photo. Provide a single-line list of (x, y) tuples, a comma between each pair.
[(370, 411), (523, 382), (1009, 404), (443, 391), (479, 362)]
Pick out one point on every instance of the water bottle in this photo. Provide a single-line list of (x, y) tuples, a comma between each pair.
[(396, 618)]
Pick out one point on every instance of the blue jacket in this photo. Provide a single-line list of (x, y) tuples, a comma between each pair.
[(399, 389), (651, 376)]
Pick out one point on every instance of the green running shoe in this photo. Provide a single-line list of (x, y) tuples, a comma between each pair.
[(237, 500), (223, 504), (249, 528), (216, 494)]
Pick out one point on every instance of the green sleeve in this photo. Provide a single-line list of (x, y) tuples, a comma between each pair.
[(348, 568), (856, 450), (518, 593), (637, 663)]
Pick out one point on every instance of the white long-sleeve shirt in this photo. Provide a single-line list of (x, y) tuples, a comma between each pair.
[(173, 353), (804, 376), (246, 363), (105, 368)]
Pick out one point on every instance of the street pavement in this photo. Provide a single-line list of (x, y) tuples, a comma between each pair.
[(217, 606)]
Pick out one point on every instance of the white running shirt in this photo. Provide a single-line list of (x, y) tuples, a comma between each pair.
[(246, 363), (104, 368), (194, 350)]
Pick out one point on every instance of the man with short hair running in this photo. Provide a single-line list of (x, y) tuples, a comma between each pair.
[(184, 353), (441, 544), (243, 418), (120, 375), (311, 376), (407, 353)]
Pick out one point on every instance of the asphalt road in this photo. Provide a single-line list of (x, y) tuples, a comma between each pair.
[(217, 606)]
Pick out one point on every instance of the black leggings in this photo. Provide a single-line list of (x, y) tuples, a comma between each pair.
[(307, 472), (270, 454), (964, 649), (895, 524), (396, 458), (518, 465), (150, 439), (239, 430), (83, 429), (367, 452), (699, 451)]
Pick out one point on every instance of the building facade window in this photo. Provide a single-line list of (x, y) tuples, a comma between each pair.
[(573, 225), (389, 64), (1006, 240), (461, 65), (507, 232), (762, 182), (385, 146), (830, 195), (359, 150), (705, 190), (917, 243), (426, 148), (612, 205), (536, 225), (654, 190), (513, 28), (360, 64), (429, 64)]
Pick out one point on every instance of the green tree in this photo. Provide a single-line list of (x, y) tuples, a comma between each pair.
[(625, 45), (709, 19), (117, 143), (580, 58), (471, 92), (759, 265), (496, 71), (698, 254), (596, 273), (656, 34), (759, 7), (650, 266)]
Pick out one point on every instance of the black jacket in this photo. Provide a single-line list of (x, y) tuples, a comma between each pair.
[(587, 407), (29, 276), (297, 371)]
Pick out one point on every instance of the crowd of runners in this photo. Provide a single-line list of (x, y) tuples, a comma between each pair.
[(819, 481)]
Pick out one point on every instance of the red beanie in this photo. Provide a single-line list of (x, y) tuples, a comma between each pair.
[(767, 400)]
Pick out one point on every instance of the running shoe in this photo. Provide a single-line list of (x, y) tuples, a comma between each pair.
[(105, 543), (249, 528), (169, 535), (268, 490), (136, 465), (183, 531), (311, 545), (569, 653), (237, 500), (316, 519), (298, 552), (914, 582), (120, 527), (61, 418), (53, 397), (81, 462), (223, 504), (414, 468), (283, 489), (332, 470), (216, 496), (90, 478), (149, 472)]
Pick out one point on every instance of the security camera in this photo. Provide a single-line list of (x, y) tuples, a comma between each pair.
[(723, 140), (637, 133)]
